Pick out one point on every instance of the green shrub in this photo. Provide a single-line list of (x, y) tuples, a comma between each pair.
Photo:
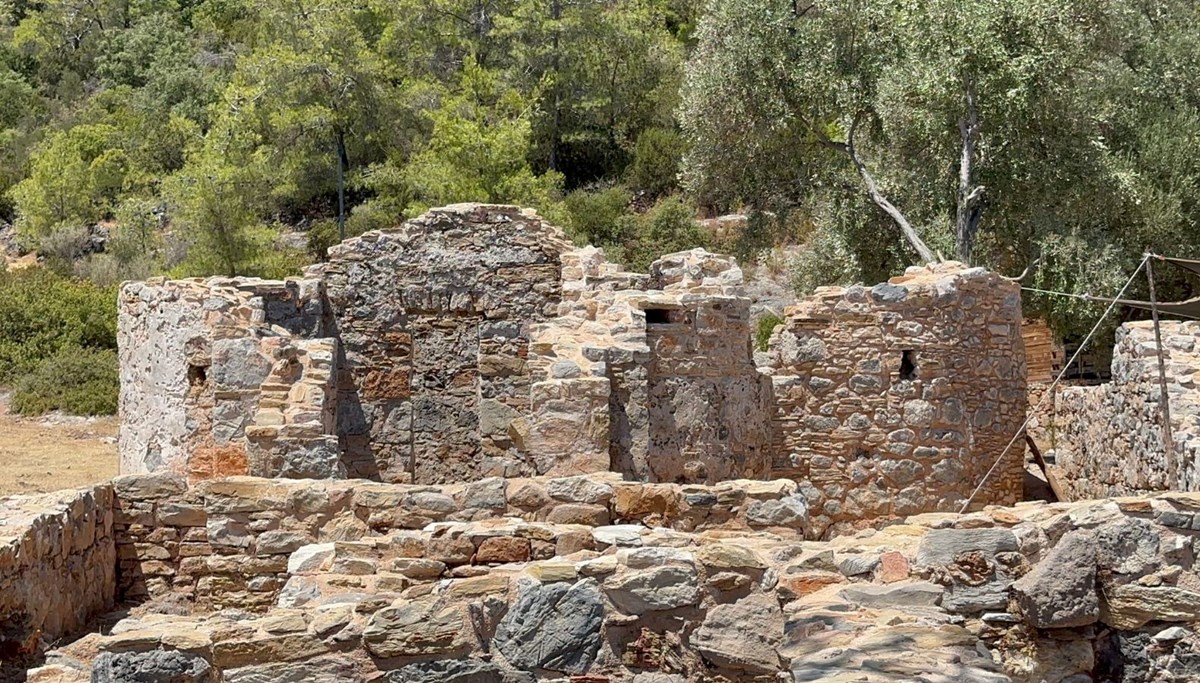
[(43, 314), (75, 380), (765, 326), (596, 216), (655, 167), (669, 227)]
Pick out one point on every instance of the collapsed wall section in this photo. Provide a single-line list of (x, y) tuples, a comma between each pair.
[(433, 320), (1108, 438), (897, 399)]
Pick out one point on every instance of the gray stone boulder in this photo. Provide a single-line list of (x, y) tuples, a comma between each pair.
[(553, 626), (1060, 592), (451, 671), (742, 636), (790, 511), (1128, 548), (157, 666), (942, 546)]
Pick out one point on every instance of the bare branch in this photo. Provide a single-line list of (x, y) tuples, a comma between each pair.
[(1018, 278), (906, 228)]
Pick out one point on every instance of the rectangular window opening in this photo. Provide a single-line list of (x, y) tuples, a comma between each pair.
[(658, 316), (908, 365)]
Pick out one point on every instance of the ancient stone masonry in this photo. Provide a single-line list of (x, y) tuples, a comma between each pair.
[(434, 323), (1108, 438), (438, 377), (897, 399), (592, 579), (225, 543), (659, 368), (226, 376), (475, 342), (57, 567)]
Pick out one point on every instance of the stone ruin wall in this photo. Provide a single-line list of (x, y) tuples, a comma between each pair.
[(897, 399), (57, 567), (1108, 437), (218, 378), (434, 323), (597, 580), (473, 342), (660, 368), (407, 357), (226, 543)]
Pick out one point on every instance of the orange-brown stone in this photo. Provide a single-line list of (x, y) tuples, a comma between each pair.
[(893, 567), (500, 549), (213, 462), (636, 502), (798, 586), (387, 384)]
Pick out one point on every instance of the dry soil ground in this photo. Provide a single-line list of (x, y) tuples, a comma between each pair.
[(54, 452)]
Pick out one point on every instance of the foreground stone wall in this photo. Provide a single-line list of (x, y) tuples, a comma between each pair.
[(1042, 593), (226, 542), (1108, 438), (57, 567), (897, 399)]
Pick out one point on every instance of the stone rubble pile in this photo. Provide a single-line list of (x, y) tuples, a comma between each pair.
[(1060, 593)]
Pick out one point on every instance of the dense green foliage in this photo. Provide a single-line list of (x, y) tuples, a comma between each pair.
[(222, 120), (58, 343), (42, 314), (763, 329), (76, 381), (1002, 130)]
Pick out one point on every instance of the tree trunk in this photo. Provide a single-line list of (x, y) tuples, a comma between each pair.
[(969, 208), (343, 166), (556, 16)]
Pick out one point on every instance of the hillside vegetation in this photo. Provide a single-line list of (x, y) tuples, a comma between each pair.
[(877, 133)]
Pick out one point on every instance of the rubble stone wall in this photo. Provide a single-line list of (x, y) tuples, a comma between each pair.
[(1038, 593), (434, 321), (475, 342), (897, 399), (226, 542), (1109, 436), (57, 566), (662, 366), (199, 358)]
